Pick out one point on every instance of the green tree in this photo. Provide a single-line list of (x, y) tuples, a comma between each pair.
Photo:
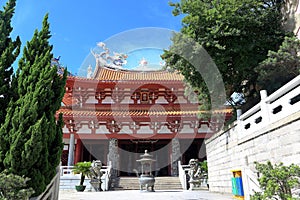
[(35, 138), (280, 66), (9, 50), (276, 181), (237, 34)]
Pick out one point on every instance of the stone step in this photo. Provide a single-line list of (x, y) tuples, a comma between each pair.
[(132, 183), (167, 183), (125, 183)]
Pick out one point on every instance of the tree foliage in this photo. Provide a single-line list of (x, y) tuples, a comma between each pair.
[(203, 166), (35, 139), (237, 34), (9, 50), (14, 187), (280, 66), (276, 181)]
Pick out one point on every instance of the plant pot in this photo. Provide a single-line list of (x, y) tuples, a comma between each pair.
[(80, 188)]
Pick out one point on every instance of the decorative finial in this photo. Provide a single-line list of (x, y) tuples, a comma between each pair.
[(143, 62)]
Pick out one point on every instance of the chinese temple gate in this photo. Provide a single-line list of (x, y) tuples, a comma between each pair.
[(116, 114)]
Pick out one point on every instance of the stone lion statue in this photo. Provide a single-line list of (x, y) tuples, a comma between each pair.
[(195, 170)]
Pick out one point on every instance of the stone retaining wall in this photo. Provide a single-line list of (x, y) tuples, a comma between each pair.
[(277, 142)]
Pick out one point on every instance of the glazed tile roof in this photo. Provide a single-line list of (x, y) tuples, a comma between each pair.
[(110, 74), (69, 112), (68, 100)]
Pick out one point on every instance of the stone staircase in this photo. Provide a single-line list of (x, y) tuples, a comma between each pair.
[(132, 183), (167, 183)]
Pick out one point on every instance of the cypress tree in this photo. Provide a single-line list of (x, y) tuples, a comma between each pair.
[(9, 50), (35, 138)]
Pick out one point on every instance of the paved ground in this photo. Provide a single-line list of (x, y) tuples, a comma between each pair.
[(136, 194)]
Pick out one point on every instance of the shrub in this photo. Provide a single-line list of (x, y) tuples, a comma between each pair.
[(276, 181), (14, 187)]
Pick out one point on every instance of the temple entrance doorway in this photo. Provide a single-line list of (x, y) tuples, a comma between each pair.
[(132, 149), (192, 149), (94, 150)]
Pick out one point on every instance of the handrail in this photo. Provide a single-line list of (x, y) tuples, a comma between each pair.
[(280, 104), (284, 89), (105, 178), (250, 182), (281, 91), (66, 170), (250, 112), (182, 175), (52, 190)]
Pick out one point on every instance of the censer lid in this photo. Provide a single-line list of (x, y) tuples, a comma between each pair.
[(146, 157)]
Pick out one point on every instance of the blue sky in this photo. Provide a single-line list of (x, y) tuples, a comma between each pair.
[(76, 26)]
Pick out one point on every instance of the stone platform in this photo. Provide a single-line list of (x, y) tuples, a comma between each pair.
[(137, 194)]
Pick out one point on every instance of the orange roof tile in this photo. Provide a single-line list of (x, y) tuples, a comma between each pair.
[(111, 74), (68, 99), (69, 112)]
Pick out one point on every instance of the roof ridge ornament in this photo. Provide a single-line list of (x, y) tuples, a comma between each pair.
[(104, 58), (143, 62)]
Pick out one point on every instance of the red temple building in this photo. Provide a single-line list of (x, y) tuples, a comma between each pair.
[(116, 114)]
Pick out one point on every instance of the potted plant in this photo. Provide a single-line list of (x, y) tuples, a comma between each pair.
[(83, 168), (204, 173)]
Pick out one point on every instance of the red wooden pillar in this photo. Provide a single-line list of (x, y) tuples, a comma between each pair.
[(78, 151)]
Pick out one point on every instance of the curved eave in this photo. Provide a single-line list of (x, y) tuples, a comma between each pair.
[(138, 113)]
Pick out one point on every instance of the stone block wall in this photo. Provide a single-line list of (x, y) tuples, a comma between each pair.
[(226, 151)]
